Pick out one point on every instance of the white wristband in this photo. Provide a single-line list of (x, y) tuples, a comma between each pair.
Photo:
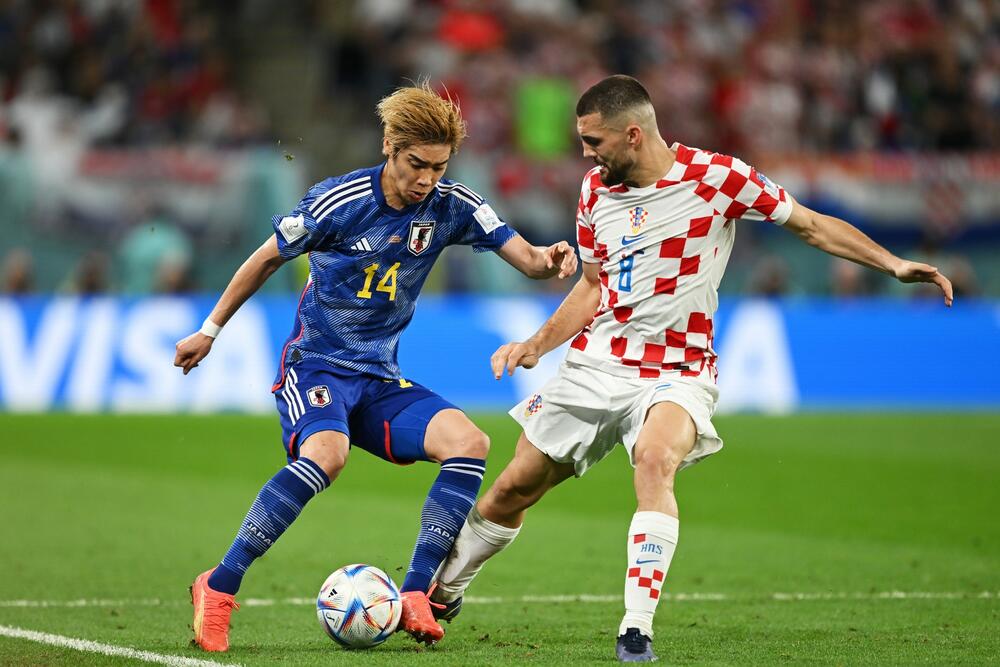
[(210, 328)]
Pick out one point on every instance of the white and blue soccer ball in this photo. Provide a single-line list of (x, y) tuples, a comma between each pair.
[(359, 606)]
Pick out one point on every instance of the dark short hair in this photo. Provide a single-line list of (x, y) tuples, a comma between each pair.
[(611, 96)]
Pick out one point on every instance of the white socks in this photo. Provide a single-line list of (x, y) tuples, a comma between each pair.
[(652, 538), (479, 540)]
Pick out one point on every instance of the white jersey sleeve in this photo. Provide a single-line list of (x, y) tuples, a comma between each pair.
[(738, 191)]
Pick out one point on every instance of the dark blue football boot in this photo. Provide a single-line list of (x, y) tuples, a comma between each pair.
[(633, 646), (446, 611)]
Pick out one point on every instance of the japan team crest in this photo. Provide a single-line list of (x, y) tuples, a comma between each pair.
[(534, 405), (319, 396), (637, 219), (421, 233)]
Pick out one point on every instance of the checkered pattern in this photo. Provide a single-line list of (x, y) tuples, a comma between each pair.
[(733, 188), (660, 271), (653, 579), (534, 405), (653, 582)]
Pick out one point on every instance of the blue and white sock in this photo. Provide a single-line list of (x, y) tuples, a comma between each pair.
[(276, 507), (448, 503)]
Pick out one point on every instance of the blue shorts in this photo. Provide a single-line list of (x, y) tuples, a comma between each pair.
[(385, 417)]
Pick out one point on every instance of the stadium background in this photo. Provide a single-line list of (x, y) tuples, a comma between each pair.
[(144, 146)]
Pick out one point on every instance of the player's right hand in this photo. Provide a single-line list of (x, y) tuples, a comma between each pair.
[(917, 272), (191, 350), (512, 355)]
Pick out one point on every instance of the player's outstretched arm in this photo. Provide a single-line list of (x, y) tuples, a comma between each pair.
[(573, 314), (842, 239), (248, 278), (558, 259)]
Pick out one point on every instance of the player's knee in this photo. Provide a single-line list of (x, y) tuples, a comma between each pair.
[(470, 443), (329, 454), (332, 460), (478, 445), (658, 462)]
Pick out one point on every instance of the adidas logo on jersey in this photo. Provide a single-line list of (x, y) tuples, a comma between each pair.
[(362, 246)]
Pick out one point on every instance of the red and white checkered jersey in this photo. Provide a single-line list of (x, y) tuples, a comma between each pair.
[(662, 250)]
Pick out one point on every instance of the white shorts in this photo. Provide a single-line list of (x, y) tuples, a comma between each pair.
[(581, 414)]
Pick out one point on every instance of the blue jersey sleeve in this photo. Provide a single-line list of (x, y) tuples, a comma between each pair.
[(299, 232), (483, 229)]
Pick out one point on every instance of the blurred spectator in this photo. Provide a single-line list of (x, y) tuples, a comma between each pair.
[(155, 256), (90, 277), (848, 279), (963, 277), (18, 273), (173, 275), (769, 277)]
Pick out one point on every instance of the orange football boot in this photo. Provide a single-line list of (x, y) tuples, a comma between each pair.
[(212, 610), (418, 619)]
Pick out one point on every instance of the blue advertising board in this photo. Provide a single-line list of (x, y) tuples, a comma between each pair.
[(116, 354)]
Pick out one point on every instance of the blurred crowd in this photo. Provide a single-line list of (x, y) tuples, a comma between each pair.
[(122, 72), (741, 76), (753, 77)]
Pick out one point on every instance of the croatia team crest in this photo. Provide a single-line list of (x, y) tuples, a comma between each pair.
[(534, 405), (319, 396), (637, 219), (421, 233)]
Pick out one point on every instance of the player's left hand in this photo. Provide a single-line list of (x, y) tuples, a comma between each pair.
[(916, 272), (562, 256)]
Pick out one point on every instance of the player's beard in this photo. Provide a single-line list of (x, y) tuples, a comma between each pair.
[(613, 173)]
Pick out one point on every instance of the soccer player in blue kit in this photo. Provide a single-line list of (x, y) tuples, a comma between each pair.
[(372, 236)]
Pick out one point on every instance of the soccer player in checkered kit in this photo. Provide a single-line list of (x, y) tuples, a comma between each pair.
[(655, 227), (372, 236)]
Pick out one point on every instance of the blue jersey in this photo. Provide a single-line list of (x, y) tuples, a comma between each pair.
[(367, 263)]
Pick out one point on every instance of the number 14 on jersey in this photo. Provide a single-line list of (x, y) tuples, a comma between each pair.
[(387, 284)]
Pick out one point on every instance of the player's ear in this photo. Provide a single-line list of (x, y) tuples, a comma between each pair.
[(633, 135), (386, 147)]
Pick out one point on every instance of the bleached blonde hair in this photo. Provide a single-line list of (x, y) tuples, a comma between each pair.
[(418, 115)]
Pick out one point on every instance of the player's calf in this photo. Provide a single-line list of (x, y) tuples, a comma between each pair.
[(460, 447), (496, 520), (479, 540)]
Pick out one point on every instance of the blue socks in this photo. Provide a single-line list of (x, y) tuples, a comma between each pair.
[(448, 504), (276, 507), (449, 501)]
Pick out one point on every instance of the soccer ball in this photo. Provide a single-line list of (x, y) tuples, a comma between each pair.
[(359, 606)]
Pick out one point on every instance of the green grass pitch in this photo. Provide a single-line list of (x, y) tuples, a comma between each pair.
[(837, 512)]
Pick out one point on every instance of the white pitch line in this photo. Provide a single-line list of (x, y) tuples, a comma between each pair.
[(147, 602), (541, 599), (104, 649)]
